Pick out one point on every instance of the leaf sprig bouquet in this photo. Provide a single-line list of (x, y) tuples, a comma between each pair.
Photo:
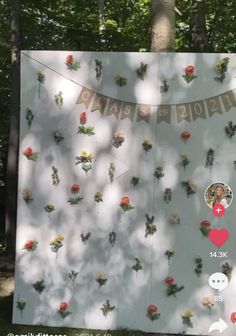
[(39, 286), (73, 275), (190, 187), (189, 73), (230, 130), (210, 158), (20, 304), (49, 207), (150, 226), (125, 204), (83, 128), (56, 243), (147, 145), (186, 318), (141, 70), (85, 158), (118, 139), (205, 227), (71, 63), (172, 287), (107, 308), (138, 264), (75, 188), (30, 154), (63, 309), (101, 278), (159, 172), (152, 312), (221, 69)]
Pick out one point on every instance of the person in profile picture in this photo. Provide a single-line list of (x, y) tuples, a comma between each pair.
[(219, 196)]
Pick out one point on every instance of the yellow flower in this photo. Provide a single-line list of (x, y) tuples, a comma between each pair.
[(58, 239), (187, 313), (39, 73), (147, 142), (118, 134), (101, 275), (98, 194), (86, 155)]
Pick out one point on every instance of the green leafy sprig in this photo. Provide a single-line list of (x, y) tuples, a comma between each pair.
[(142, 70), (55, 177), (138, 264), (120, 80), (107, 308), (150, 226), (39, 286)]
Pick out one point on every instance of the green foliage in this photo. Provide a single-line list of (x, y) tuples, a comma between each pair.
[(220, 23)]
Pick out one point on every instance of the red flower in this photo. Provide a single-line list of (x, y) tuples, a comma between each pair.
[(29, 245), (125, 200), (205, 224), (152, 309), (75, 188), (233, 317), (83, 118), (28, 151), (69, 60), (63, 306), (169, 280), (189, 69), (185, 136)]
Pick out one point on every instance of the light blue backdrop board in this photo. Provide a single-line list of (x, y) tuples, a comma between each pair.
[(140, 111)]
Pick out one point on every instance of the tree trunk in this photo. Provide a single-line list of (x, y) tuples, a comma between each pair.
[(163, 25), (12, 164), (198, 26), (101, 24)]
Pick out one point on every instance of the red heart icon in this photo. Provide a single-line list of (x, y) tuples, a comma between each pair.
[(218, 236)]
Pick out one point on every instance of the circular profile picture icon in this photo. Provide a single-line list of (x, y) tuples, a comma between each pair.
[(218, 193)]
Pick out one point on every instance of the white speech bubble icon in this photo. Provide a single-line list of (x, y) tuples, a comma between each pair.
[(218, 281)]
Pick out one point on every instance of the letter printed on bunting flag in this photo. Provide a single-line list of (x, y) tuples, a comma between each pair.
[(164, 113), (228, 99), (143, 112), (127, 111), (99, 103), (198, 110), (113, 107), (213, 105), (183, 112), (85, 97)]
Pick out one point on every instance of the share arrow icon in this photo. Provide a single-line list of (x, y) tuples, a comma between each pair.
[(219, 326)]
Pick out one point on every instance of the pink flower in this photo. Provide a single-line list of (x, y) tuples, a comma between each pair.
[(69, 60), (125, 200), (83, 118), (185, 136), (63, 306), (152, 309), (29, 244), (28, 151), (75, 188), (205, 224), (233, 317), (189, 69), (169, 280)]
